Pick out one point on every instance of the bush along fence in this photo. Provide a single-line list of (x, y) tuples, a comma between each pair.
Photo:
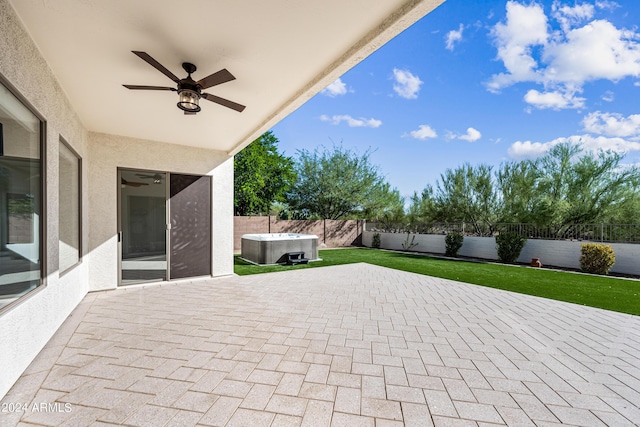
[(563, 253), (597, 258)]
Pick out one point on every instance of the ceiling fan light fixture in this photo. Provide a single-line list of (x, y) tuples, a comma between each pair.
[(189, 100), (189, 90)]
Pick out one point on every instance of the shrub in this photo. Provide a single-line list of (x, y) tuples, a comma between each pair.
[(453, 243), (409, 244), (509, 246), (597, 258), (376, 241)]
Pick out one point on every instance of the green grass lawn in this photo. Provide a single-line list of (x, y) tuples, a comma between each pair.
[(609, 293)]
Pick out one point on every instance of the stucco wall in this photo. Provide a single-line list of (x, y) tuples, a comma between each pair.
[(25, 328), (107, 153), (559, 253)]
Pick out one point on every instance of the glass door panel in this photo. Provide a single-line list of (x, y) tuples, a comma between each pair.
[(143, 226)]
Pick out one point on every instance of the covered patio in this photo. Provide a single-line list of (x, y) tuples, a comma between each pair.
[(102, 154), (346, 345)]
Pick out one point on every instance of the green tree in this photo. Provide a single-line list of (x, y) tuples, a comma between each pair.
[(262, 176), (578, 187), (517, 184), (339, 183), (565, 186), (554, 177), (391, 206), (467, 194), (627, 211), (422, 208)]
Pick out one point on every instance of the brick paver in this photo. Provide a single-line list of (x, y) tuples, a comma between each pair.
[(347, 345)]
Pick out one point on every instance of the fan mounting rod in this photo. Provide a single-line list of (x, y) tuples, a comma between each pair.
[(189, 67)]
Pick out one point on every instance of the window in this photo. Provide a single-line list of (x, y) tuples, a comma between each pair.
[(69, 207), (20, 198)]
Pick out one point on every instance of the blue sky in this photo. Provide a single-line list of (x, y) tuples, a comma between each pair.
[(484, 81)]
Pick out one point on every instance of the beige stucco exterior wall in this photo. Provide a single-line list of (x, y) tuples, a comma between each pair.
[(107, 153), (222, 217), (28, 326), (25, 328)]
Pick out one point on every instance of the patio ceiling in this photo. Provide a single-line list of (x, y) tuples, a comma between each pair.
[(282, 52)]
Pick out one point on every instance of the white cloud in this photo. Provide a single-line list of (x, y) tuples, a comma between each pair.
[(521, 150), (606, 4), (423, 132), (351, 122), (406, 84), (619, 145), (525, 27), (612, 124), (569, 16), (453, 37), (596, 51), (608, 96), (554, 100), (472, 135), (335, 89), (606, 131), (564, 60)]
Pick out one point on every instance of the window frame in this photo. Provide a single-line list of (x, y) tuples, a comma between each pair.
[(68, 146), (42, 250)]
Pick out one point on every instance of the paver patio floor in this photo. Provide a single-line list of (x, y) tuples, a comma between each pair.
[(353, 345)]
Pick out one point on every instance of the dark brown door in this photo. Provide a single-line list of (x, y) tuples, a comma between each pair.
[(190, 212)]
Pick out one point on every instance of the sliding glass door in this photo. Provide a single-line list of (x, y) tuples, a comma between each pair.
[(143, 225), (165, 226)]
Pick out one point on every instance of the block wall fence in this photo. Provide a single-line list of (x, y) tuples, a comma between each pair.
[(557, 253)]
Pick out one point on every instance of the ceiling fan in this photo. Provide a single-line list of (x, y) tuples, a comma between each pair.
[(126, 183), (157, 178), (189, 90)]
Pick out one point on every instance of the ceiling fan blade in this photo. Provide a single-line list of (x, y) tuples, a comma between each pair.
[(155, 64), (132, 184), (187, 113), (223, 102), (138, 87), (216, 78)]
